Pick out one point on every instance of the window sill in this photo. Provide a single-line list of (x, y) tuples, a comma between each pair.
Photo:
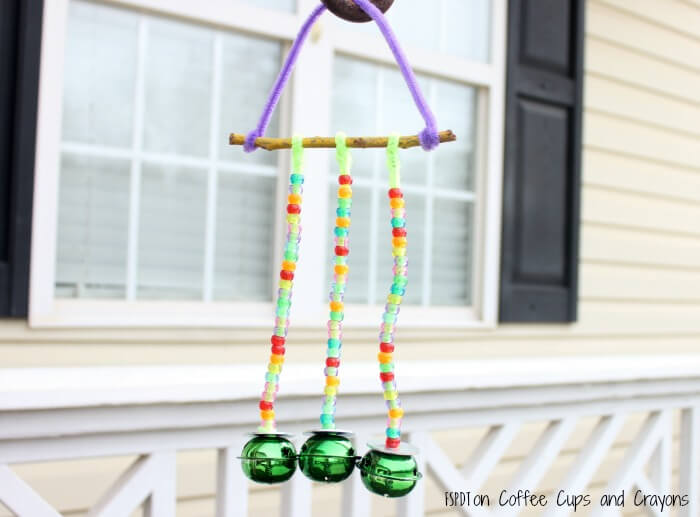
[(183, 314)]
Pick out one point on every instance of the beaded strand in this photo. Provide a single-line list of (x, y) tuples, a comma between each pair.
[(340, 272), (398, 289), (284, 294)]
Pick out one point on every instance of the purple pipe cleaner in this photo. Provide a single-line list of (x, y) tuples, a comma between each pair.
[(429, 137)]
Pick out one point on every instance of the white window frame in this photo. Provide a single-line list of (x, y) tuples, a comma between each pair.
[(307, 113)]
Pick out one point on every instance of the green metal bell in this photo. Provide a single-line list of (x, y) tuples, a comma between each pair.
[(269, 459), (327, 457), (389, 475)]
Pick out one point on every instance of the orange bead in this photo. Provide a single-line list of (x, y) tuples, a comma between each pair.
[(399, 242), (341, 269), (288, 265), (396, 413), (276, 359), (384, 358), (397, 202), (336, 306), (332, 381), (267, 414), (345, 191), (294, 199), (342, 222)]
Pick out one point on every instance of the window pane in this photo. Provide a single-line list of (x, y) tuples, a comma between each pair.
[(183, 131), (245, 225), (99, 77), (455, 108), (467, 29), (425, 177), (459, 28), (178, 88), (453, 242), (355, 105), (246, 62), (92, 227), (171, 232)]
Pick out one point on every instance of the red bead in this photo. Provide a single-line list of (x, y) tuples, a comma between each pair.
[(393, 443), (386, 347), (345, 179), (293, 209), (286, 275), (341, 251), (386, 376), (395, 192), (399, 232), (333, 362), (265, 405), (277, 340), (278, 349)]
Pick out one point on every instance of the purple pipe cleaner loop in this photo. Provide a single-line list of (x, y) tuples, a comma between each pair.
[(429, 137), (282, 79)]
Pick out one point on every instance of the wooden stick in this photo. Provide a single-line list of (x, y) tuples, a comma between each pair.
[(364, 142)]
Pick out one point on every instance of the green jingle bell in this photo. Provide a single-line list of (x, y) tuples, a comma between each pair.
[(389, 475), (269, 459), (327, 457)]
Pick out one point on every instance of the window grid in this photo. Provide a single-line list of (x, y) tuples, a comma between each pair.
[(487, 77), (137, 156), (376, 184)]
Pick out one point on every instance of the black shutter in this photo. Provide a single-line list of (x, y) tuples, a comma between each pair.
[(541, 189), (20, 49)]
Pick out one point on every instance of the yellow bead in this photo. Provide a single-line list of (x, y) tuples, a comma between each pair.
[(267, 414), (397, 202), (345, 191), (396, 413), (276, 359), (398, 252), (289, 266), (332, 381), (274, 368), (342, 222), (384, 357), (399, 242), (294, 199), (331, 391), (336, 306), (341, 269), (285, 284), (394, 298), (390, 395)]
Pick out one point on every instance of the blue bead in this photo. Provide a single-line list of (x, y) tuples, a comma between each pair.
[(393, 433)]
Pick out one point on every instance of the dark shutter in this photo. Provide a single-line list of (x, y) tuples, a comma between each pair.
[(20, 48), (541, 188)]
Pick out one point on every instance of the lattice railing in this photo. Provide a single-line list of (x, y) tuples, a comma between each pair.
[(585, 413)]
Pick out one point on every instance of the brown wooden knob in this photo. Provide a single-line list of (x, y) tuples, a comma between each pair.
[(348, 10)]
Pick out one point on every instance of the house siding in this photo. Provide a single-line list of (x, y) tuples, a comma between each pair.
[(639, 261)]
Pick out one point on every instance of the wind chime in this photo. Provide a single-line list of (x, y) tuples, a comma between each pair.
[(389, 468)]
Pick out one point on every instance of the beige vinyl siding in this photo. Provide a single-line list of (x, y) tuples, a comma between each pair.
[(639, 270)]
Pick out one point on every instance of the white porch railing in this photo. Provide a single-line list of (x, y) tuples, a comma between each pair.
[(57, 414)]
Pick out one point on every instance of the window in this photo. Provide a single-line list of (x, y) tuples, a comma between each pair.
[(157, 221)]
